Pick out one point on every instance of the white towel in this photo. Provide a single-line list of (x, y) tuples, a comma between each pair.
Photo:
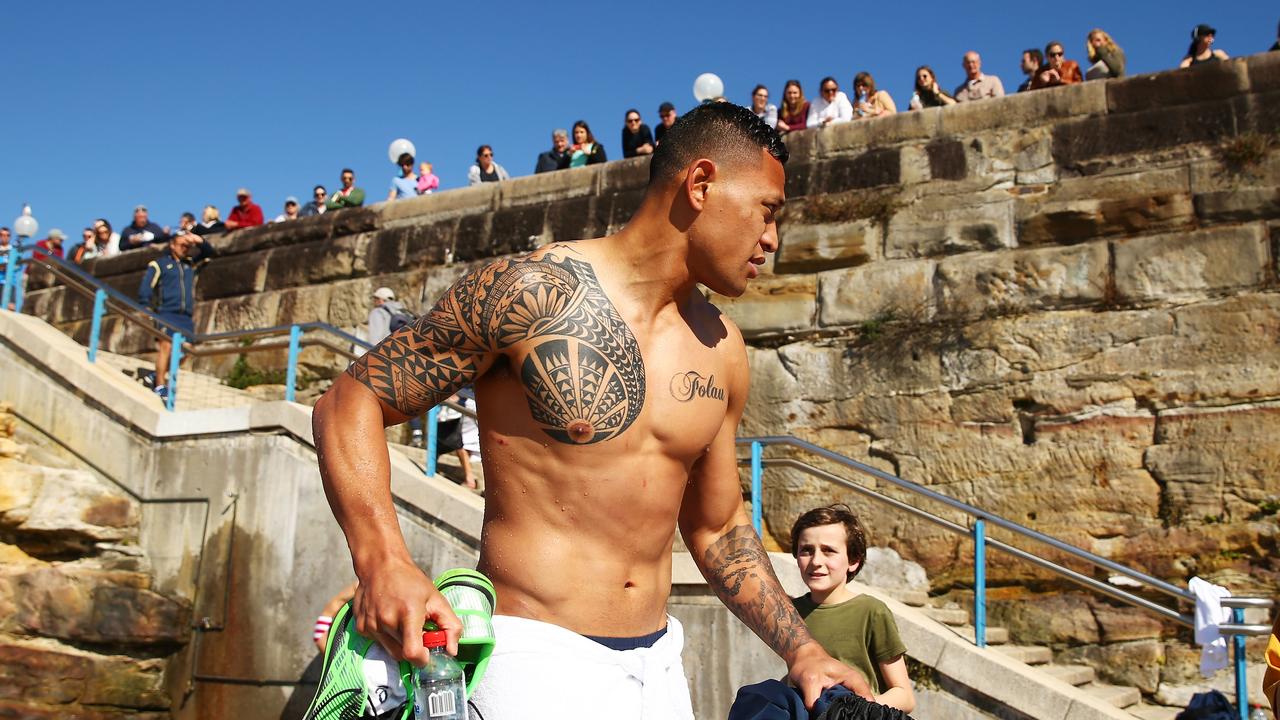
[(1209, 615), (541, 671)]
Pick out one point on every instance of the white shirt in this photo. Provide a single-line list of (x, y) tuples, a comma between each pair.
[(113, 245), (839, 110)]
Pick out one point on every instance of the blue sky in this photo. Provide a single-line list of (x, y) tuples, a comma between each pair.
[(176, 104)]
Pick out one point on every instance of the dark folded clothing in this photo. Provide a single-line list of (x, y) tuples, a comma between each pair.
[(773, 700)]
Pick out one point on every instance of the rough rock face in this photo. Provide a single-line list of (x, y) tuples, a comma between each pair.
[(81, 632), (1061, 306)]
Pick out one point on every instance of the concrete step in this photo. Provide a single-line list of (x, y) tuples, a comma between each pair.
[(1029, 654), (1118, 695), (1143, 711), (912, 598), (995, 635), (955, 617), (1071, 674)]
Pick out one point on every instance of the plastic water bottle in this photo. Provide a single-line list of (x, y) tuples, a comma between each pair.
[(1258, 713), (439, 687)]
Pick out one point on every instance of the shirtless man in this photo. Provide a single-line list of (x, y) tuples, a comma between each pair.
[(609, 392)]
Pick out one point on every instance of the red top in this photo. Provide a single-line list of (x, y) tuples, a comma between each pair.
[(435, 638), (45, 244), (246, 218), (797, 121)]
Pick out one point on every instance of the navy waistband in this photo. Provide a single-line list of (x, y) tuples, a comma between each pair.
[(629, 643)]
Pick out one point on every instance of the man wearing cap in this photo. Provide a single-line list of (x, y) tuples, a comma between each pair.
[(168, 287), (667, 116), (290, 210), (245, 214), (141, 232), (52, 245), (385, 307)]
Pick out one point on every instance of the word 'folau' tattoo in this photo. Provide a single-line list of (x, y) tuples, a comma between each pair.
[(738, 569), (583, 375), (686, 386)]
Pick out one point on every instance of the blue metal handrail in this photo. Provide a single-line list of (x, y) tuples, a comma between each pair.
[(107, 298), (980, 518)]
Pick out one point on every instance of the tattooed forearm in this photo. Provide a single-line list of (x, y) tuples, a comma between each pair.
[(737, 568), (582, 371)]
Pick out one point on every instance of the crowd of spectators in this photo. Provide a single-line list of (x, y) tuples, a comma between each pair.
[(1046, 68)]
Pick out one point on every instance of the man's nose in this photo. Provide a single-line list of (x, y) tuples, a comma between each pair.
[(769, 241)]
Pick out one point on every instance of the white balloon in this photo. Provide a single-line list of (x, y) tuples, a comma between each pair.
[(400, 146), (707, 86)]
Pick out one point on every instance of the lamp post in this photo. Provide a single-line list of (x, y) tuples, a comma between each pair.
[(24, 227)]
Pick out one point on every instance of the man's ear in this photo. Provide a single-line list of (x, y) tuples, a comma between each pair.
[(697, 182)]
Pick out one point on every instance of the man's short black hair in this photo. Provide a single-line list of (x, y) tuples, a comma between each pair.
[(1035, 54), (666, 107), (347, 170), (717, 131), (405, 159), (321, 188), (188, 216)]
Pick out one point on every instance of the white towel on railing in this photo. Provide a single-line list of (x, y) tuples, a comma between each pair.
[(1209, 615)]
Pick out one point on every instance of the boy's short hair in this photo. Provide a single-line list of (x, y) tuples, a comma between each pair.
[(837, 514)]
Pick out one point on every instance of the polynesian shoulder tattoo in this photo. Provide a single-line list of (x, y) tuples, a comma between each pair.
[(583, 375)]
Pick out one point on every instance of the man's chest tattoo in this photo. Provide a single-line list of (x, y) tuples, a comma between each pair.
[(583, 376), (686, 386)]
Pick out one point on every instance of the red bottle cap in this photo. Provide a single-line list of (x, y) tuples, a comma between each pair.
[(435, 638)]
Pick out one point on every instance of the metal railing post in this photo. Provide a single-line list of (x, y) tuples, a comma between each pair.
[(95, 329), (979, 582), (1242, 680), (432, 414), (10, 276), (291, 375), (757, 487), (175, 361), (19, 289)]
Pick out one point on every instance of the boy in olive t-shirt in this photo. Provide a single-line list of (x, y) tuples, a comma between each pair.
[(830, 547)]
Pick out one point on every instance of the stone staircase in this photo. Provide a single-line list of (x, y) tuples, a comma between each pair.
[(1038, 657)]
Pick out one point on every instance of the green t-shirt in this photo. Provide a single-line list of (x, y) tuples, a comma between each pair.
[(860, 633)]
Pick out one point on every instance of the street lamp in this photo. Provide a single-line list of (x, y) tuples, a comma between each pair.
[(24, 227)]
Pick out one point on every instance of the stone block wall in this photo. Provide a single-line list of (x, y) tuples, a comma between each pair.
[(1060, 306)]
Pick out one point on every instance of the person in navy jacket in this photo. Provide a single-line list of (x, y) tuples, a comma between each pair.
[(168, 288)]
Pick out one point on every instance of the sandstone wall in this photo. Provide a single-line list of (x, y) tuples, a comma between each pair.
[(1060, 306), (84, 632)]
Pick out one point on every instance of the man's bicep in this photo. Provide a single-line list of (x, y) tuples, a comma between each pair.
[(421, 365)]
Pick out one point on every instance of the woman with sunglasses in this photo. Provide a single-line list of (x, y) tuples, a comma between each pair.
[(928, 93), (485, 169), (794, 113), (1057, 69), (832, 107), (586, 151), (637, 139)]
